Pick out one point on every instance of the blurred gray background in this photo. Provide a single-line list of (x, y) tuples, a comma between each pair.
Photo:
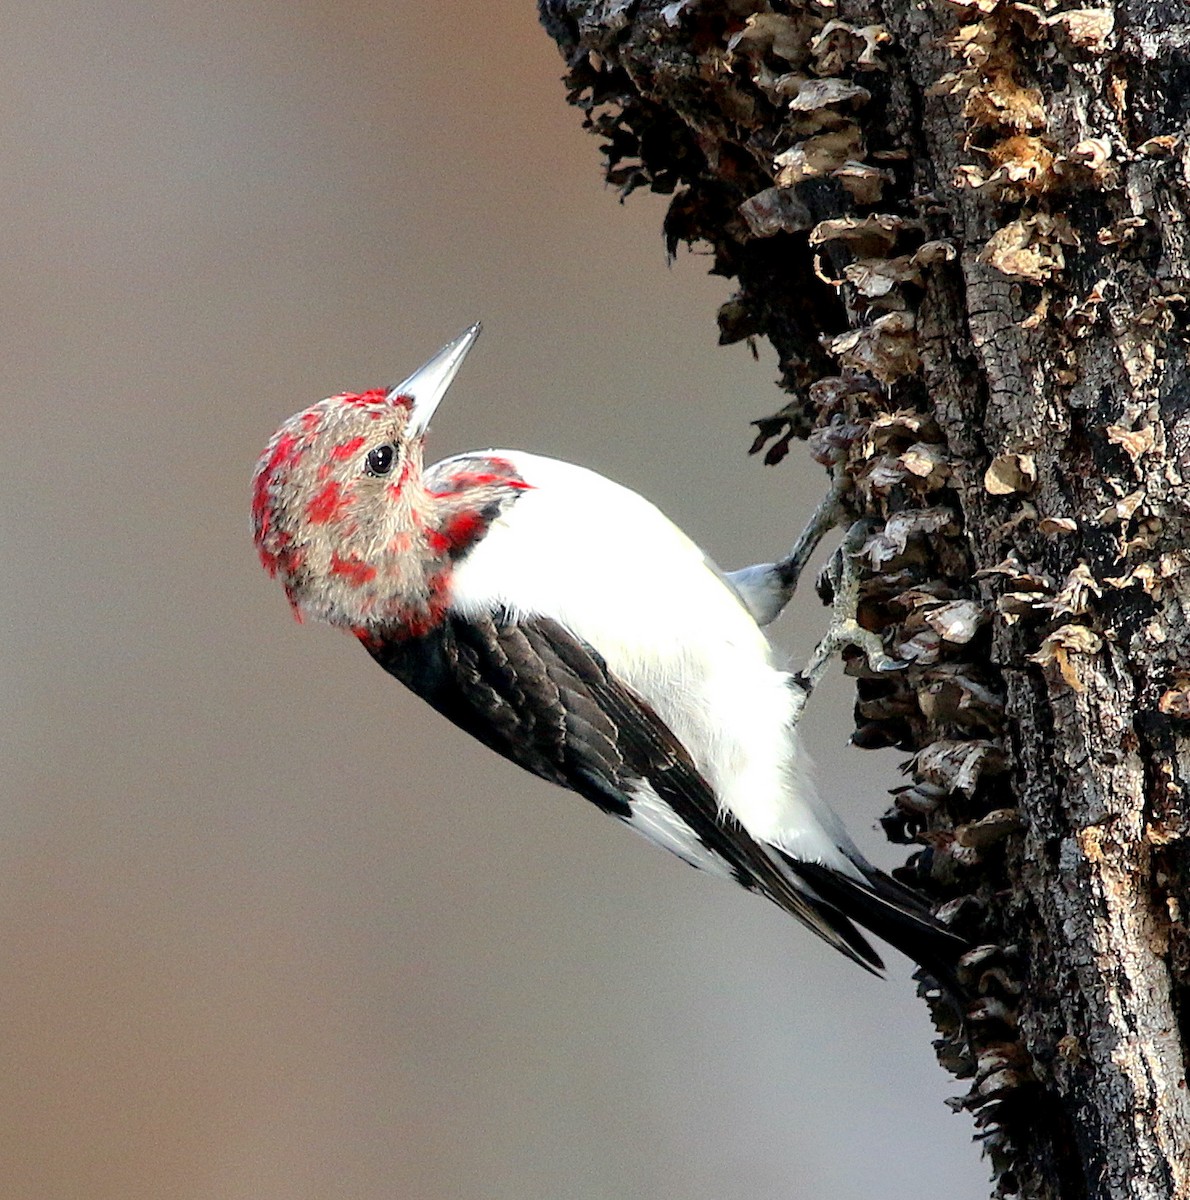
[(269, 928)]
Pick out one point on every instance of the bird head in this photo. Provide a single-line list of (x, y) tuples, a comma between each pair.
[(339, 511)]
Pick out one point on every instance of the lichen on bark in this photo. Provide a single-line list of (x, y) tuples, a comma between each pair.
[(963, 226)]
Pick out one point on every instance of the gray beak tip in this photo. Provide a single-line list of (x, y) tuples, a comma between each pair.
[(428, 384)]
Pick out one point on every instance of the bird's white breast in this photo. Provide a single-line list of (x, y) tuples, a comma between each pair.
[(609, 566)]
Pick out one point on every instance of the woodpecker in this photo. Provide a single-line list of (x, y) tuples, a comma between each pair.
[(564, 622)]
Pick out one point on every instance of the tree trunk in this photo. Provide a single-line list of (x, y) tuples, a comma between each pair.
[(963, 225)]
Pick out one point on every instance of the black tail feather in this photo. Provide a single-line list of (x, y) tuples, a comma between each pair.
[(832, 925), (892, 912)]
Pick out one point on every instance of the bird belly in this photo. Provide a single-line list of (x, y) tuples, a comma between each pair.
[(617, 573)]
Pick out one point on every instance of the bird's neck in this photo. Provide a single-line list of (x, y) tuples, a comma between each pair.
[(442, 516)]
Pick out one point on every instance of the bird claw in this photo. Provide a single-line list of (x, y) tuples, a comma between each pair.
[(887, 665), (841, 575), (872, 647)]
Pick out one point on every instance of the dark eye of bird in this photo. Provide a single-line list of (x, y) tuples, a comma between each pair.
[(380, 461)]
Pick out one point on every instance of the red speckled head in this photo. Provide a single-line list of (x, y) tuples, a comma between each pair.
[(339, 511)]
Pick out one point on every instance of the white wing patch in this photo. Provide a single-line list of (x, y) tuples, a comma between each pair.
[(614, 570), (653, 818)]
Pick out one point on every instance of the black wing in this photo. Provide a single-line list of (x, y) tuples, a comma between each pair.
[(533, 692)]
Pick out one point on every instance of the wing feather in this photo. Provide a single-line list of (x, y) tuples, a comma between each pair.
[(534, 692)]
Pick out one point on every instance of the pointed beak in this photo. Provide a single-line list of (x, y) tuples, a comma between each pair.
[(427, 385)]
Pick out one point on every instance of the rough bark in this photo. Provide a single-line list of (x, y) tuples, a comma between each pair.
[(963, 225)]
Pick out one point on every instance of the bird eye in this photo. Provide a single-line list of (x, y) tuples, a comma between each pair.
[(380, 461)]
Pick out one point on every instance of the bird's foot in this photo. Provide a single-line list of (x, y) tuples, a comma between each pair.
[(841, 579)]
